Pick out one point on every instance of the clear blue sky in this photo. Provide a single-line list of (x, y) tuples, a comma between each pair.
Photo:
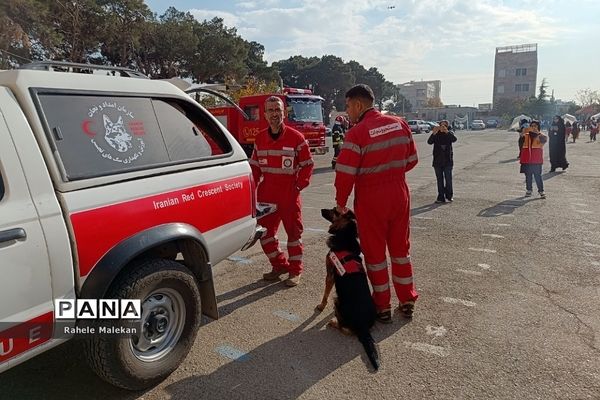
[(450, 40)]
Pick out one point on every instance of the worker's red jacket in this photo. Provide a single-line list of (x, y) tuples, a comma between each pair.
[(377, 150), (282, 162)]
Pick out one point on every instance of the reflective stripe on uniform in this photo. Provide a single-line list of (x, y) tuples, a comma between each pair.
[(386, 144), (351, 146), (402, 281), (278, 171), (381, 288), (401, 260), (275, 153), (385, 167), (377, 267), (295, 258), (273, 254), (294, 243), (305, 163), (254, 162), (345, 168), (267, 240)]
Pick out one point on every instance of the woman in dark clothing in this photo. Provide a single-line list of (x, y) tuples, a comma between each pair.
[(442, 138), (558, 149)]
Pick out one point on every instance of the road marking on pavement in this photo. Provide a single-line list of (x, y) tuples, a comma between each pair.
[(591, 222), (493, 235), (418, 227), (458, 301), (484, 266), (591, 245), (496, 224), (437, 331), (482, 250), (315, 230), (240, 260), (427, 348), (232, 353), (580, 204), (584, 211), (286, 315), (469, 272), (419, 217), (507, 215)]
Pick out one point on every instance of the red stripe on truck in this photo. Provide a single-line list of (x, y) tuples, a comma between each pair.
[(205, 206), (25, 336)]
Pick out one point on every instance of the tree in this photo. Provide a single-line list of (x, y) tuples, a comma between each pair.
[(124, 23), (167, 46), (78, 24), (587, 97), (400, 105), (25, 32), (257, 66), (220, 54)]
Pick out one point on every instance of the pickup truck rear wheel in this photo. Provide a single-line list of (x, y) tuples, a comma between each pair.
[(171, 316)]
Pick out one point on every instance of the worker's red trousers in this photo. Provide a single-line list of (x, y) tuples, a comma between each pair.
[(383, 216), (289, 212)]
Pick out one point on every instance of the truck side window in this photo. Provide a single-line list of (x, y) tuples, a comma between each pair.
[(253, 112), (188, 134), (103, 135)]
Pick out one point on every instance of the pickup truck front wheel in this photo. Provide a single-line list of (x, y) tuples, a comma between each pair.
[(164, 335)]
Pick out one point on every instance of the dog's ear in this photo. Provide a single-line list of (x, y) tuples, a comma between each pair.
[(327, 213), (351, 215)]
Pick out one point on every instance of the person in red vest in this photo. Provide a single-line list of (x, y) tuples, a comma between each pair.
[(281, 166), (532, 158), (376, 154)]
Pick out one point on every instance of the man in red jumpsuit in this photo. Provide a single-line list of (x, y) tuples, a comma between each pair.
[(282, 159), (377, 153)]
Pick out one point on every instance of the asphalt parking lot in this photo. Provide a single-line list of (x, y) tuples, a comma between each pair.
[(509, 301)]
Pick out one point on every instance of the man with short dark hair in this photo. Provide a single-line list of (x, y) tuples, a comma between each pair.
[(282, 159), (376, 154)]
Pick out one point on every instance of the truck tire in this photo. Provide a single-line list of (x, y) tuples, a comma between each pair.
[(171, 316)]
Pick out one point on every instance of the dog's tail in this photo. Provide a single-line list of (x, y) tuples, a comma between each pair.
[(370, 347)]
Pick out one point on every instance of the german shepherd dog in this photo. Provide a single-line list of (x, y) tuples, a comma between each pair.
[(354, 308)]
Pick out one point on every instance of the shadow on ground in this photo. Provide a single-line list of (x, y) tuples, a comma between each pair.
[(506, 207), (284, 367)]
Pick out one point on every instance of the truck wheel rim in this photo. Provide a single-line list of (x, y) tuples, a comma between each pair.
[(161, 325)]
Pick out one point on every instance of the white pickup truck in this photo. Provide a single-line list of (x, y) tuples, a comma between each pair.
[(113, 186)]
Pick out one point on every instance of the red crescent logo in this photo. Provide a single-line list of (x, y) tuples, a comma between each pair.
[(85, 127)]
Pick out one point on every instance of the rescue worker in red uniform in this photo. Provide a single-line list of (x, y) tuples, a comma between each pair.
[(376, 154), (282, 159)]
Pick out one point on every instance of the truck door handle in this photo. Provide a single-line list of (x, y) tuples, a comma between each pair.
[(13, 234)]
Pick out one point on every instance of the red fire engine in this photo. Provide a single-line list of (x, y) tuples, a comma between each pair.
[(304, 112)]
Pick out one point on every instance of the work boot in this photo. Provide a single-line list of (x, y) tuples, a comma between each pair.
[(292, 280), (273, 275), (385, 317), (407, 309)]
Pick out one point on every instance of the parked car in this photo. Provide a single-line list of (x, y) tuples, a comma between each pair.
[(418, 126), (432, 124), (491, 123), (477, 124)]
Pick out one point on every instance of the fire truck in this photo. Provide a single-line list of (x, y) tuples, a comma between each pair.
[(303, 112)]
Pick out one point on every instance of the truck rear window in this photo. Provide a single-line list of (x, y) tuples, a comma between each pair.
[(104, 135)]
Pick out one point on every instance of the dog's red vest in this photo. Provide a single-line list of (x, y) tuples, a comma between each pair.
[(345, 262)]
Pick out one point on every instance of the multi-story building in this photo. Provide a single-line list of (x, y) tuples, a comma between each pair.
[(418, 93), (515, 72)]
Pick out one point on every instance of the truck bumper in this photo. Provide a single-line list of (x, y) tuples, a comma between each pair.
[(319, 150), (259, 231)]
